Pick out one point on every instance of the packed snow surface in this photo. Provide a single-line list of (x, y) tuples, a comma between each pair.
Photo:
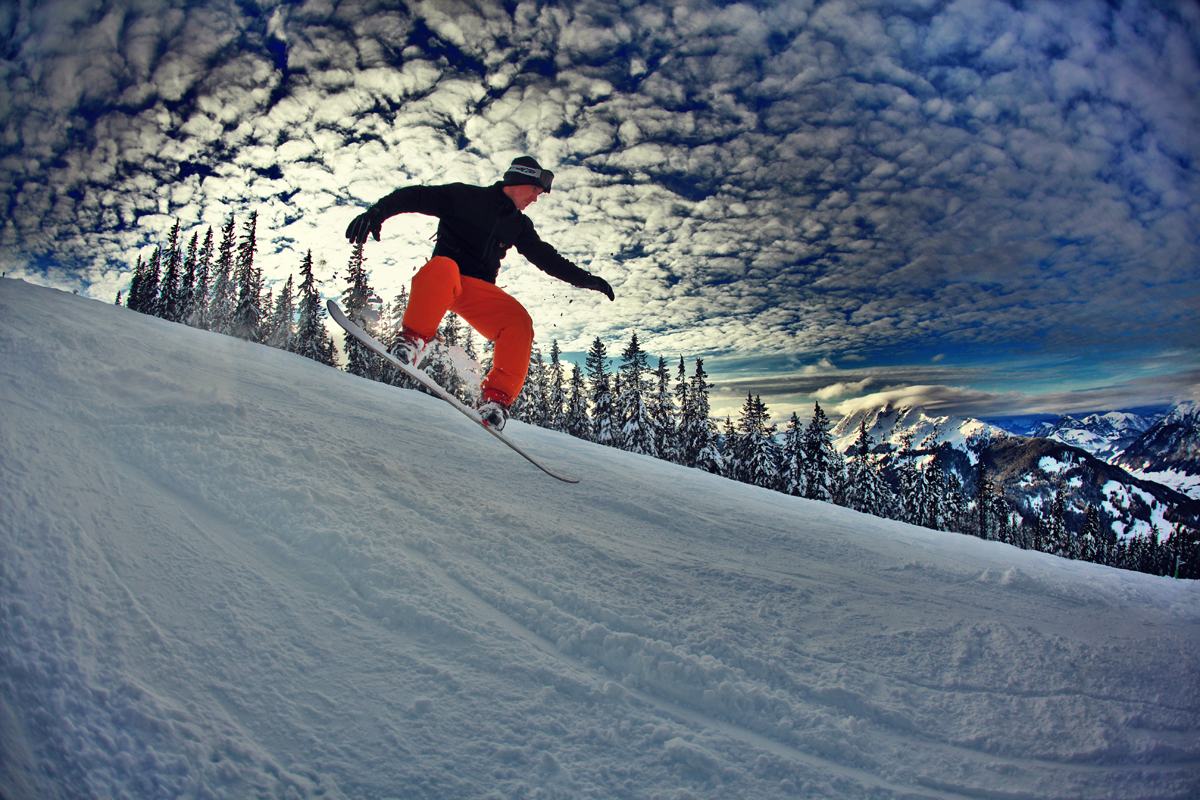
[(229, 572)]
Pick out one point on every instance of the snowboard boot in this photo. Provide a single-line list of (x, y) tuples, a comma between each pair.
[(409, 347), (493, 408)]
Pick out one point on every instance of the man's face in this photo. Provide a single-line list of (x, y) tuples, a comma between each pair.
[(523, 195)]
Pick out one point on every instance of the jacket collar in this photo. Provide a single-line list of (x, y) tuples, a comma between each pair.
[(507, 206)]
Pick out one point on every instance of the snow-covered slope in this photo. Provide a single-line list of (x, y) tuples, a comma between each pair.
[(228, 572)]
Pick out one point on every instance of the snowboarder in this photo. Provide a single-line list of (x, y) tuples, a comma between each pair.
[(477, 225)]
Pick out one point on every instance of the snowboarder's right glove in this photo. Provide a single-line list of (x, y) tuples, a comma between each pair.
[(369, 222), (597, 284)]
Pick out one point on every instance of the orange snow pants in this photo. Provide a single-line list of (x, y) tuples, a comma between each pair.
[(438, 287)]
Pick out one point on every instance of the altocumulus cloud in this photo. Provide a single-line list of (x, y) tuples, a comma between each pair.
[(796, 179)]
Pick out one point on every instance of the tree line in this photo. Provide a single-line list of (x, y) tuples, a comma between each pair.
[(657, 411), (216, 286)]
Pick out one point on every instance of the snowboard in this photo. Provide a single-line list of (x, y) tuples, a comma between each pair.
[(420, 377)]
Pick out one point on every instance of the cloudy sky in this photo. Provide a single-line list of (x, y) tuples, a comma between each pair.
[(988, 208)]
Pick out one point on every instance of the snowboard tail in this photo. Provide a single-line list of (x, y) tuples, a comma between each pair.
[(420, 377)]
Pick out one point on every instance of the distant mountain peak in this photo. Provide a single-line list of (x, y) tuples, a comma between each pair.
[(1029, 469), (1169, 451), (888, 423), (1187, 413), (1103, 435)]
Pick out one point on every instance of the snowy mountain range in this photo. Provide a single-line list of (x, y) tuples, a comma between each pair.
[(1164, 449), (888, 424), (1103, 435), (1029, 469), (1169, 451), (227, 571)]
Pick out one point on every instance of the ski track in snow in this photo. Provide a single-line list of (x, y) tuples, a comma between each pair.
[(229, 572)]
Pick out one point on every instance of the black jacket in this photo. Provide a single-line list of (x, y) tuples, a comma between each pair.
[(476, 226)]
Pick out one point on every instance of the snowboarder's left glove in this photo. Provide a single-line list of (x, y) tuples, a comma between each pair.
[(369, 222), (598, 284)]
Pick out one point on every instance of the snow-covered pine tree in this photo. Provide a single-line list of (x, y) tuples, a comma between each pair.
[(1131, 554), (735, 449), (133, 300), (264, 326), (931, 496), (731, 464), (883, 497), (700, 439), (530, 405), (821, 464), (862, 481), (791, 458), (1184, 553), (248, 315), (576, 420), (451, 330), (710, 458), (384, 324), (224, 298), (1108, 534), (540, 396), (169, 300), (837, 477), (395, 318), (662, 414), (360, 304), (756, 456), (984, 504), (908, 481), (604, 428), (637, 428), (1149, 551), (931, 485), (312, 340), (487, 359), (1056, 524), (1005, 525), (147, 301), (958, 518), (614, 393), (690, 429), (198, 315), (683, 404), (282, 325), (438, 362), (1040, 538), (556, 391), (187, 286), (1090, 547)]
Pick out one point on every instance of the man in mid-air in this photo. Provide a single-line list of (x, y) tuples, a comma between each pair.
[(476, 227)]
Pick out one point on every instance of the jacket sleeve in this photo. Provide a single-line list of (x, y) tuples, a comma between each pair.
[(432, 201), (548, 260)]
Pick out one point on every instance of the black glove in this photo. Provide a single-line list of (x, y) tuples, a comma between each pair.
[(598, 284), (369, 222)]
